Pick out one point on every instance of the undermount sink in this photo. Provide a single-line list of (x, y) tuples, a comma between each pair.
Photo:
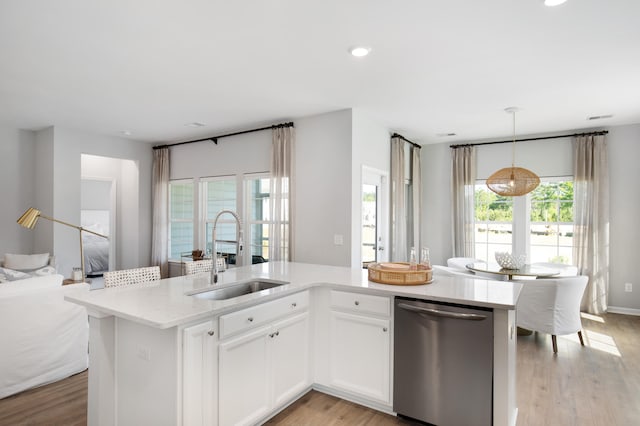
[(236, 290)]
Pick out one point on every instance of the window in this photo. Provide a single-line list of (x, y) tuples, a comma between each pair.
[(551, 223), (494, 223), (181, 217), (219, 193), (247, 195), (539, 224), (258, 189)]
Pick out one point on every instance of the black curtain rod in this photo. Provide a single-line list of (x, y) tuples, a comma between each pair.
[(396, 135), (214, 139), (601, 132)]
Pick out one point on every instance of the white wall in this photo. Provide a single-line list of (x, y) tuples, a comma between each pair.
[(17, 174), (59, 150), (323, 188), (551, 157), (624, 175), (248, 153)]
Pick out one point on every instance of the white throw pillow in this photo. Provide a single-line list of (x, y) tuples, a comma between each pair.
[(26, 262), (7, 275), (31, 284)]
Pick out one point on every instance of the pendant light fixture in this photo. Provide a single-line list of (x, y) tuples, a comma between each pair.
[(513, 181)]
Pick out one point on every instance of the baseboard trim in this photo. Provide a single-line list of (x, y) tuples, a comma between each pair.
[(624, 311)]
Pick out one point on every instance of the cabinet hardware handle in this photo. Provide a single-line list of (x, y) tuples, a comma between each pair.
[(384, 329), (250, 319), (294, 304), (277, 333), (271, 335), (211, 333), (357, 303)]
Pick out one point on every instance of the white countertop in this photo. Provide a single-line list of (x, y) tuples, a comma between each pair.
[(165, 303)]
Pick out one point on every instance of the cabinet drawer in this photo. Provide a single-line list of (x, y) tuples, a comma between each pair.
[(246, 319), (358, 302)]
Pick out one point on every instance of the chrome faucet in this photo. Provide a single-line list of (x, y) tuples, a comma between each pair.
[(238, 242)]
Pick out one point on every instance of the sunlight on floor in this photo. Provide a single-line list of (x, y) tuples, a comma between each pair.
[(591, 317), (598, 341)]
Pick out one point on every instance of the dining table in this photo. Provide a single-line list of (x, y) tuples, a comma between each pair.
[(533, 271)]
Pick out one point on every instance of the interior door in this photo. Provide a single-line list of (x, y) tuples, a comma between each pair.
[(375, 208)]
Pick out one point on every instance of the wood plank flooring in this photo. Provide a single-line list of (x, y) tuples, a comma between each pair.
[(594, 385)]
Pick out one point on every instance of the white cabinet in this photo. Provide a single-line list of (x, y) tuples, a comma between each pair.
[(360, 345), (199, 374), (244, 378), (290, 358), (266, 366)]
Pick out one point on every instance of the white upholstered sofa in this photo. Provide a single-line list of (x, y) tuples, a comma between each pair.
[(43, 338)]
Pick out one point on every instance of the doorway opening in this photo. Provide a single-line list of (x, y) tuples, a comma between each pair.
[(374, 207)]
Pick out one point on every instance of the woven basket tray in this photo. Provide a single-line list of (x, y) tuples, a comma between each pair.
[(398, 273)]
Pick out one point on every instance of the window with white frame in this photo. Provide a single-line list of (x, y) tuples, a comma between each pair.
[(551, 222), (493, 223), (248, 195), (258, 217), (539, 224), (181, 217), (217, 194)]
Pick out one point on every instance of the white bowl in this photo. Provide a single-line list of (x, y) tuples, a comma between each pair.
[(509, 261)]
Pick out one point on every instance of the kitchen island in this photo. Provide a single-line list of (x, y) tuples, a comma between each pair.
[(160, 355)]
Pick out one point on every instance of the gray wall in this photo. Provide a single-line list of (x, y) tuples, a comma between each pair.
[(17, 174), (42, 170), (548, 158)]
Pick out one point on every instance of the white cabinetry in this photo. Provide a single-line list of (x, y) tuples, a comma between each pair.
[(360, 345), (265, 366), (199, 374)]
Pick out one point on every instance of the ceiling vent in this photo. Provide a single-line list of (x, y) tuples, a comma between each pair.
[(599, 117)]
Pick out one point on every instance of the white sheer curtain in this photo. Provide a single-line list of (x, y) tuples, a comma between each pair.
[(398, 205), (591, 233), (463, 181), (281, 196), (416, 190), (160, 202)]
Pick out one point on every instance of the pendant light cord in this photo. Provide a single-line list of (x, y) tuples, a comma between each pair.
[(513, 150)]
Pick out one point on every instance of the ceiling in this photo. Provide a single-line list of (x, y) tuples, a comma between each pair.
[(150, 67)]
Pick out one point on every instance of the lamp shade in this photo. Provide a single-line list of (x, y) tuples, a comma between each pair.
[(29, 218), (513, 181)]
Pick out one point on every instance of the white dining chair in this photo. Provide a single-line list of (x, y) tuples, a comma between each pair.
[(131, 276), (551, 306), (565, 270), (461, 262), (198, 266), (449, 271)]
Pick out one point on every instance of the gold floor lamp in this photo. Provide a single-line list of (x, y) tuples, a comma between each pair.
[(31, 216)]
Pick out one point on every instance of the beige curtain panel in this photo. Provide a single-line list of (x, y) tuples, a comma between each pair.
[(160, 202), (281, 196), (463, 181), (398, 203), (591, 222)]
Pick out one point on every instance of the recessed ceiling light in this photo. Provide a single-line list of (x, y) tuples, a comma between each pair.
[(599, 117), (359, 51), (552, 3), (195, 124)]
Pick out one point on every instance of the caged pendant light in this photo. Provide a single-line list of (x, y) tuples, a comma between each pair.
[(513, 181)]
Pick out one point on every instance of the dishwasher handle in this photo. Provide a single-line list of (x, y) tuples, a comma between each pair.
[(445, 314)]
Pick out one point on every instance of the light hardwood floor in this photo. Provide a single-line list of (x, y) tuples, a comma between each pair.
[(594, 385)]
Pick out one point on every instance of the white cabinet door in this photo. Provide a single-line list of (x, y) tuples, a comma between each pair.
[(290, 357), (199, 374), (360, 355), (244, 374)]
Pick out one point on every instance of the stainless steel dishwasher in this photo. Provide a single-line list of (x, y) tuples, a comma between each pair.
[(443, 363)]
